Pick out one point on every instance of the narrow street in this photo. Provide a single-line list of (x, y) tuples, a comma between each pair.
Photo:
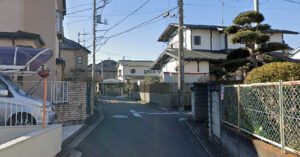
[(131, 129)]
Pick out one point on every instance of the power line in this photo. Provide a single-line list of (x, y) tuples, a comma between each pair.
[(141, 24), (135, 27), (79, 11), (75, 12), (292, 1), (79, 20), (139, 13), (77, 6), (122, 20)]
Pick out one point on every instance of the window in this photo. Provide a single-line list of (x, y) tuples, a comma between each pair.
[(197, 40), (59, 22), (133, 71), (79, 60), (149, 71)]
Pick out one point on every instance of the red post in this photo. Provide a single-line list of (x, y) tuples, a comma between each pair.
[(45, 99)]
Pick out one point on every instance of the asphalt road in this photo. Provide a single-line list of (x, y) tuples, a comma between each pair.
[(131, 129)]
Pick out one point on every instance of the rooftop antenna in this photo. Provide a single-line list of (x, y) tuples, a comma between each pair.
[(222, 4)]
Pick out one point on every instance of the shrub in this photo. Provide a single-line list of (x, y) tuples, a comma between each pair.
[(237, 54), (151, 79), (233, 65), (273, 72)]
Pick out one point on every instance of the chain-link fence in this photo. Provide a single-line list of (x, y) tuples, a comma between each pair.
[(269, 111)]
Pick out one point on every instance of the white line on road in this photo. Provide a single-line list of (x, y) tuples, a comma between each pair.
[(163, 113), (136, 114), (119, 116)]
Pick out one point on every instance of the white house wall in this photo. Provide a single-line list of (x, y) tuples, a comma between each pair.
[(276, 37), (205, 39), (188, 41), (188, 78), (139, 71), (120, 75), (233, 46), (222, 41), (189, 66), (174, 41), (218, 40), (170, 66)]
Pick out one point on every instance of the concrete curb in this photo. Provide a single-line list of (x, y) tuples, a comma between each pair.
[(87, 124), (201, 142), (75, 139)]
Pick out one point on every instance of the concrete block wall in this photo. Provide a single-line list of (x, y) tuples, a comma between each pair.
[(214, 110), (75, 109)]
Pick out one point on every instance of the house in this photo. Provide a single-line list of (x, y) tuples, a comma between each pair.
[(205, 48), (34, 24), (295, 54), (135, 70), (76, 60), (105, 71), (108, 67)]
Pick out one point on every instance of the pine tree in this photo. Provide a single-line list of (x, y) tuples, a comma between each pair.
[(244, 31)]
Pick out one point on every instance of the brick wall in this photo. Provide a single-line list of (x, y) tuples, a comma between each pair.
[(75, 109)]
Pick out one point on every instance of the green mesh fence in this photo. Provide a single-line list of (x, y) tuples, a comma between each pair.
[(260, 111), (291, 112)]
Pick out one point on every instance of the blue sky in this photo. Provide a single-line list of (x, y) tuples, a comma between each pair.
[(141, 44)]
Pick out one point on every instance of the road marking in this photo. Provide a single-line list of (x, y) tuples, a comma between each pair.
[(139, 114), (163, 113), (119, 116), (136, 114)]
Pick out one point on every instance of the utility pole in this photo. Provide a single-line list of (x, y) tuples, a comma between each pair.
[(82, 34), (93, 88), (93, 92), (256, 5), (180, 81)]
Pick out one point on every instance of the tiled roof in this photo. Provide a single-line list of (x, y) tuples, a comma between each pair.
[(22, 35), (136, 63), (190, 55), (108, 66), (72, 45)]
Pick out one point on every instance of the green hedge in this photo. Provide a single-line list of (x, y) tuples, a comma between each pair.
[(273, 72)]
